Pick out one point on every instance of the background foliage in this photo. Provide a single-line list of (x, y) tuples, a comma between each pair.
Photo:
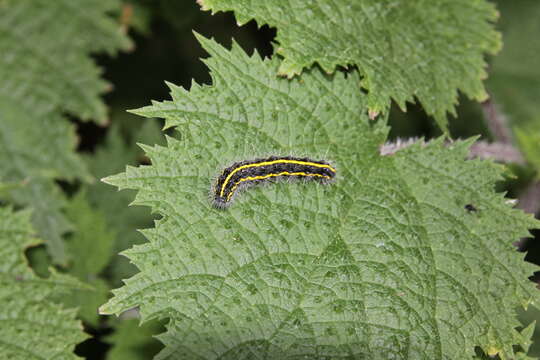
[(70, 72)]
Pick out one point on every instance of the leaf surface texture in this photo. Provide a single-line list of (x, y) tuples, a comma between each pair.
[(386, 262), (404, 50)]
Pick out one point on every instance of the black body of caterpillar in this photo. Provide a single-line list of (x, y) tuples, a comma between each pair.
[(250, 172)]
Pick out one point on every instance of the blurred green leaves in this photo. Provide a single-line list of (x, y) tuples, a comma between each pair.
[(33, 326), (515, 75), (46, 72)]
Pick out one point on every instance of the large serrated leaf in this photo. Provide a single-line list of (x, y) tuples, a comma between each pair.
[(406, 256), (404, 50), (32, 327)]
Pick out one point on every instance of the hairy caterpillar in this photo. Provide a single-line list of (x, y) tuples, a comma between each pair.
[(250, 172)]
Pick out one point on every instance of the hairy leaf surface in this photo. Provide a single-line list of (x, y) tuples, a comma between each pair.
[(31, 326), (404, 50), (46, 71), (386, 262)]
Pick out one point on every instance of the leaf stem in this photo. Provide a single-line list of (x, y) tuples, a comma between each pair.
[(498, 151), (497, 122)]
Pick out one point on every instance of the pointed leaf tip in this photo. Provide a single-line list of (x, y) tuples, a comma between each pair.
[(113, 180)]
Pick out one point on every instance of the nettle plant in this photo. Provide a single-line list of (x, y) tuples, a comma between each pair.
[(407, 254)]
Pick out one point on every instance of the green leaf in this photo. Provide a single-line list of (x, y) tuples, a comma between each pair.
[(110, 158), (386, 262), (515, 75), (88, 300), (46, 47), (529, 144), (47, 201), (132, 341), (532, 315), (404, 50), (32, 327), (35, 149), (39, 261), (522, 339), (22, 126), (91, 247), (92, 244), (46, 71)]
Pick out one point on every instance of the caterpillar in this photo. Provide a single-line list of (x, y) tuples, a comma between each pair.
[(248, 172)]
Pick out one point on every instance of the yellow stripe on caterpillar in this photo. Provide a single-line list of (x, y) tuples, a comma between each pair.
[(273, 162), (284, 173), (259, 170)]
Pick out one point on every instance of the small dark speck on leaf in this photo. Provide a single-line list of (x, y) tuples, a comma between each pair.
[(471, 208)]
